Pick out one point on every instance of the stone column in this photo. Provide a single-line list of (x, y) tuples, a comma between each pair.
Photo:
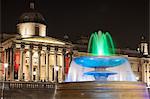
[(8, 62), (13, 51), (56, 72), (47, 63), (147, 64), (145, 76), (30, 62), (5, 56), (143, 72), (11, 61), (64, 64), (71, 55), (1, 68), (39, 63), (20, 76), (5, 61)]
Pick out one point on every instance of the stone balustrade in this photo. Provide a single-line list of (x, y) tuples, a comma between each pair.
[(27, 85)]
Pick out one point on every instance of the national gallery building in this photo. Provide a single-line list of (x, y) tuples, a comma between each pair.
[(31, 55)]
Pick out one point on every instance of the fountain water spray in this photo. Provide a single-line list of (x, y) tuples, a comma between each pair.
[(101, 44), (101, 62)]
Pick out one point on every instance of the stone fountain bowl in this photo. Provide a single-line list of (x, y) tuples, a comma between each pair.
[(100, 61)]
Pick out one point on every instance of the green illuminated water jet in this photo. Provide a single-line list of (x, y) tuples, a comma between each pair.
[(101, 44)]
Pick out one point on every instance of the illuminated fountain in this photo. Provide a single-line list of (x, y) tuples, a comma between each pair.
[(101, 74), (102, 64)]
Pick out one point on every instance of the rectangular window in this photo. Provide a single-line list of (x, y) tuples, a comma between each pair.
[(36, 30), (34, 69)]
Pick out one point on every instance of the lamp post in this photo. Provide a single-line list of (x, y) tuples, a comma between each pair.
[(34, 75), (5, 68), (3, 87), (56, 68)]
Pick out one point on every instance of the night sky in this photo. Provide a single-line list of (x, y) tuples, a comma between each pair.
[(126, 20)]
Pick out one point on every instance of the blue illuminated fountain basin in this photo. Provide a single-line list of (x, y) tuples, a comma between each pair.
[(100, 75), (99, 61)]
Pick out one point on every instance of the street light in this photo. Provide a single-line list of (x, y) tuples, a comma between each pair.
[(34, 75), (57, 68), (5, 67), (137, 78)]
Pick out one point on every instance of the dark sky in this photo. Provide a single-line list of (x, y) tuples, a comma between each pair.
[(126, 20)]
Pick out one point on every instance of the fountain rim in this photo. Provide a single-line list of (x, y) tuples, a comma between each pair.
[(99, 59), (91, 55)]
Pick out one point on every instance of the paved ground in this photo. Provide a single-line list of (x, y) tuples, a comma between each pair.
[(88, 90), (29, 94), (104, 90), (47, 94)]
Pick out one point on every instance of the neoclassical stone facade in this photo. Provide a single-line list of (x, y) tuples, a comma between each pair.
[(31, 55), (146, 71), (34, 61)]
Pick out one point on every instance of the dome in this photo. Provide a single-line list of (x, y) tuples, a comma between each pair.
[(31, 22), (31, 17)]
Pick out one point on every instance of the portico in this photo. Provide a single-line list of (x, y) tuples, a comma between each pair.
[(35, 61)]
